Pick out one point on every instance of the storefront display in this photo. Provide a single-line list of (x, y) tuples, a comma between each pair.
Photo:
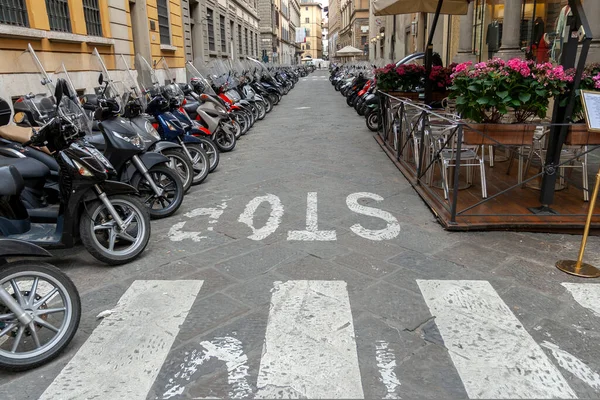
[(542, 28)]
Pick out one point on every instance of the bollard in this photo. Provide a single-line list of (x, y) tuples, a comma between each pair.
[(579, 268)]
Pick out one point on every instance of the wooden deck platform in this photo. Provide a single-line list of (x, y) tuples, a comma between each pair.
[(508, 211)]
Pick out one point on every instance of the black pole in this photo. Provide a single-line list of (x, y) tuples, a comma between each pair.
[(429, 53), (562, 114)]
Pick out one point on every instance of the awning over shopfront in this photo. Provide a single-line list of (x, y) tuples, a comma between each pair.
[(349, 51), (392, 7)]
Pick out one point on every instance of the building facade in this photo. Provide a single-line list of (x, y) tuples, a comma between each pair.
[(492, 28), (67, 31), (311, 19), (334, 18), (325, 35), (354, 25), (223, 29), (278, 22)]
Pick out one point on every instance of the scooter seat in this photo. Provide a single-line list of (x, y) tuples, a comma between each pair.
[(44, 158), (12, 181), (28, 168), (18, 134)]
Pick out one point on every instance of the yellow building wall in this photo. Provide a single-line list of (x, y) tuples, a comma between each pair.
[(53, 52)]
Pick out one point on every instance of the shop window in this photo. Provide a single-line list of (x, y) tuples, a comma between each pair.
[(163, 22), (58, 15), (93, 23), (13, 12), (211, 29), (223, 36)]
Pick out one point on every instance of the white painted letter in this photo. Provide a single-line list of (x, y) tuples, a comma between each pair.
[(177, 235), (312, 231), (226, 349), (386, 362), (393, 227), (247, 217)]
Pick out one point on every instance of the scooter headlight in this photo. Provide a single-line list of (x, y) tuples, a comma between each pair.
[(135, 139), (150, 129), (83, 171)]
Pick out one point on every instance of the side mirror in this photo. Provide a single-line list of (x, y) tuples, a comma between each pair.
[(20, 118), (100, 79)]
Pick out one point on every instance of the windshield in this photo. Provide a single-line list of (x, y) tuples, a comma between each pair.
[(146, 75), (164, 74), (197, 80)]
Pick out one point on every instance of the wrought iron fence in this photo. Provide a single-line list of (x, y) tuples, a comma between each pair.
[(423, 139), (13, 12)]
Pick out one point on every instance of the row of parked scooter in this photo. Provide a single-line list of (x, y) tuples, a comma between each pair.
[(96, 168), (356, 82)]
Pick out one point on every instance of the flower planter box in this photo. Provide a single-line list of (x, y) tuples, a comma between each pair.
[(413, 96), (439, 96), (580, 136), (506, 134)]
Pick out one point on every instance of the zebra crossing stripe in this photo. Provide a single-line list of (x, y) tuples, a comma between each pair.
[(122, 357), (310, 347), (493, 354), (586, 294)]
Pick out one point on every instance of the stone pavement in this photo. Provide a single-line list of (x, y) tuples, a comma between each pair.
[(360, 293)]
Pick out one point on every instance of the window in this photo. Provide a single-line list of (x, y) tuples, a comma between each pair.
[(306, 8), (307, 45), (223, 36), (246, 33), (211, 29), (163, 22), (58, 15), (363, 40), (302, 47), (13, 12), (93, 23), (307, 20), (256, 40), (251, 44), (240, 39)]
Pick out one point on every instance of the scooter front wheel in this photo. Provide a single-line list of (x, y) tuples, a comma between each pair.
[(372, 119), (224, 138), (50, 297), (180, 163), (211, 150), (168, 181), (200, 161), (105, 239)]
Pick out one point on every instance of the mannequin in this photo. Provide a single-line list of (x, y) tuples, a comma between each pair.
[(493, 37), (561, 24)]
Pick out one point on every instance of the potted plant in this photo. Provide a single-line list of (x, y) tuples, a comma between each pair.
[(497, 91), (578, 132), (401, 81), (442, 81)]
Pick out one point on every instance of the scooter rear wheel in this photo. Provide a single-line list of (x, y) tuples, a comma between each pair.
[(224, 140), (37, 343), (212, 151), (105, 240)]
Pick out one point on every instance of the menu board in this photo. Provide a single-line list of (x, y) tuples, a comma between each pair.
[(591, 105)]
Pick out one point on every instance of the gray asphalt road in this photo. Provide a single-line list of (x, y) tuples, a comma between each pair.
[(306, 266)]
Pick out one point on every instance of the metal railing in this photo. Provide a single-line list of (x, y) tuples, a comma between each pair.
[(58, 15), (93, 22), (411, 142), (13, 12)]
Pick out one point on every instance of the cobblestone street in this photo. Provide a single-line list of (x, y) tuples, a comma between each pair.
[(311, 269)]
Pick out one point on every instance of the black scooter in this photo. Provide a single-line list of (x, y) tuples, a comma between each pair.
[(108, 216), (160, 187), (40, 307)]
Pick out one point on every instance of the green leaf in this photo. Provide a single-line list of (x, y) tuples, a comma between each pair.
[(473, 88), (524, 97), (483, 100), (460, 100), (502, 95)]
